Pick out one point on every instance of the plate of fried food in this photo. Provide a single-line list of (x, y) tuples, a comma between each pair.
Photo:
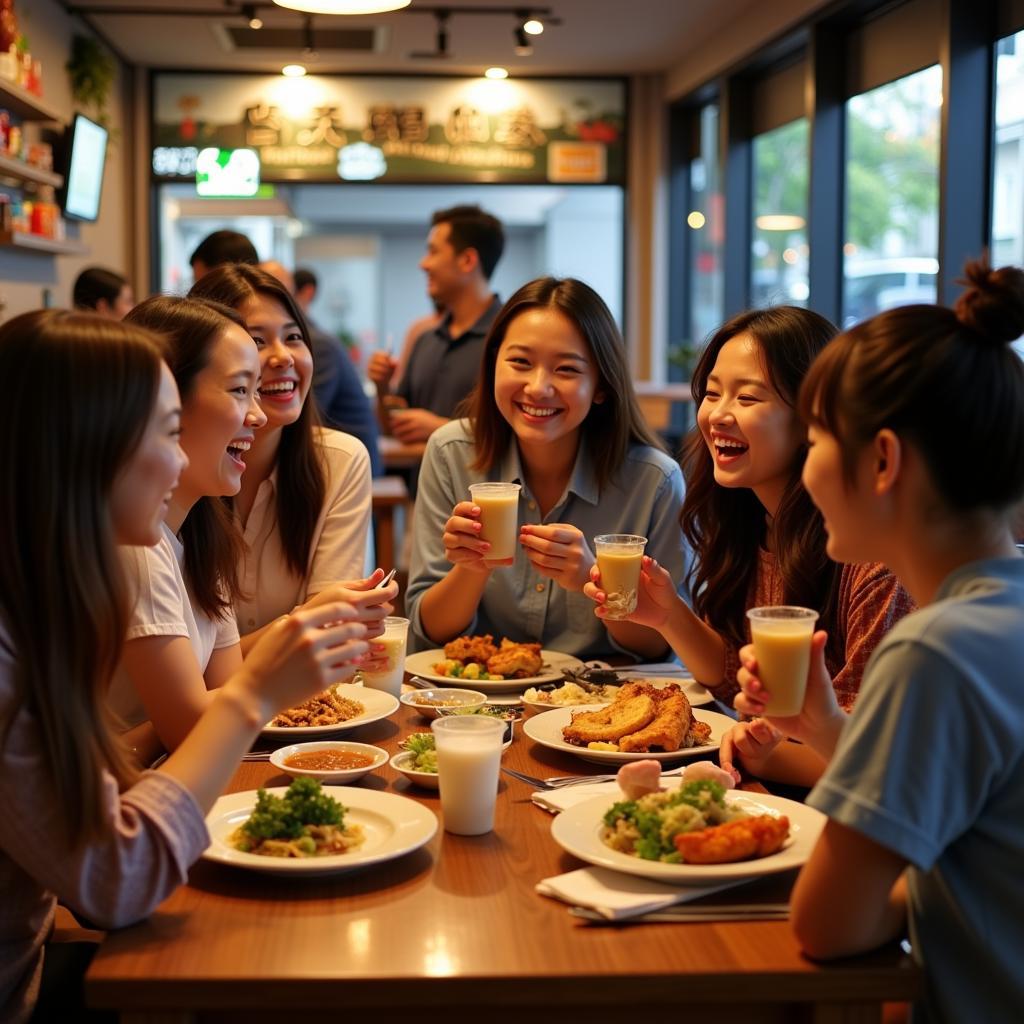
[(342, 707), (490, 667), (644, 721), (695, 834)]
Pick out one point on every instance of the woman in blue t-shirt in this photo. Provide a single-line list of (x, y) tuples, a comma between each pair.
[(917, 460)]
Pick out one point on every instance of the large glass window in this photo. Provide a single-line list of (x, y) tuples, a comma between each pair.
[(892, 195), (1008, 180), (705, 221), (780, 251)]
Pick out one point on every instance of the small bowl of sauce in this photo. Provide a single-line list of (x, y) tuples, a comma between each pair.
[(433, 703), (336, 761)]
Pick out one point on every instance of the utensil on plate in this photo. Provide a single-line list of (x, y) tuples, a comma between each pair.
[(558, 781)]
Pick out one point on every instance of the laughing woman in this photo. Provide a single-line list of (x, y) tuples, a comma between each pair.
[(304, 501), (554, 410), (917, 459), (757, 538), (87, 462)]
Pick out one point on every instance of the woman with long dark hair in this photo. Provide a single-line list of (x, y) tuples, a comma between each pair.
[(305, 500), (554, 410), (756, 536), (89, 455), (917, 459)]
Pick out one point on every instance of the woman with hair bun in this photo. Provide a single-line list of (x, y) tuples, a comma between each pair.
[(917, 459)]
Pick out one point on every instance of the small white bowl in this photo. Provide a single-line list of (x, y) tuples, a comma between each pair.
[(466, 700), (277, 759), (402, 762)]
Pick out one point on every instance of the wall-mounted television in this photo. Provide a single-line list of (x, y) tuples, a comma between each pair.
[(87, 154)]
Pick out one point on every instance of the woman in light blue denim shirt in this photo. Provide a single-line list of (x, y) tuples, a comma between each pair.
[(554, 410)]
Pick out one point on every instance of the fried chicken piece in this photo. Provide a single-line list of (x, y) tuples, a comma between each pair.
[(471, 648), (699, 734), (668, 729), (609, 723), (516, 661), (743, 839)]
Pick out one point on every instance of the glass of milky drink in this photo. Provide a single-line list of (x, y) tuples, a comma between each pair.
[(468, 759), (499, 518), (782, 646), (387, 668), (619, 558)]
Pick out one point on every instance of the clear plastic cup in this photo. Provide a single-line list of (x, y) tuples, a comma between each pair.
[(468, 759), (499, 518), (619, 558), (387, 667), (782, 645)]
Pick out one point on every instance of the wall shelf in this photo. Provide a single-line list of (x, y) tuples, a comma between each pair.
[(21, 172), (41, 244), (26, 104)]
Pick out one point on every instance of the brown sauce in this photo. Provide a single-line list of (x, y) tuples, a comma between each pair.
[(328, 760)]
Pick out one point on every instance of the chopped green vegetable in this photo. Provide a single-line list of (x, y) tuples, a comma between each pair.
[(421, 744), (285, 817)]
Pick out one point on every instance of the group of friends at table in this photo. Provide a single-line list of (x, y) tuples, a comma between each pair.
[(185, 547)]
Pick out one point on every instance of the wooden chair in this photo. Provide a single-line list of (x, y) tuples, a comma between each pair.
[(389, 492)]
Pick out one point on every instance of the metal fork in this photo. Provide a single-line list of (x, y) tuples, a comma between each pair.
[(558, 781)]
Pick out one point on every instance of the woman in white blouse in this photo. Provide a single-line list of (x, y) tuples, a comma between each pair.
[(304, 503)]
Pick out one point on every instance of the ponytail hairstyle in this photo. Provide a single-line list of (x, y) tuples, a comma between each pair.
[(610, 426), (81, 393), (301, 470), (946, 380), (189, 329), (727, 526)]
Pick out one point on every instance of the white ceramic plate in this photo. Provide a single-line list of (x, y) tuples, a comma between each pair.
[(554, 667), (337, 776), (394, 825), (578, 830), (695, 693), (546, 729), (376, 703), (402, 762)]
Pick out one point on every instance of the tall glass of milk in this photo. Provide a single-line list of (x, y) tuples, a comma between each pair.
[(782, 646), (620, 557), (468, 758), (385, 668), (499, 518)]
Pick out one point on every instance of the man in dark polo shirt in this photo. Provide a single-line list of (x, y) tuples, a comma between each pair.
[(463, 248)]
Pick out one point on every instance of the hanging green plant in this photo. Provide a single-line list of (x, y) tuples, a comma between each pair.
[(91, 72)]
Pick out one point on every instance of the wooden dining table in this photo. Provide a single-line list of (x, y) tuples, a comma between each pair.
[(456, 927)]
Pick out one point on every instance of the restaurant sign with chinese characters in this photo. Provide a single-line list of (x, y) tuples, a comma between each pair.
[(424, 129)]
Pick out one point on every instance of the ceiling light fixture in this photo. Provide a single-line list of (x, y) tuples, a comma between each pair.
[(250, 15), (343, 6), (308, 42), (293, 71), (496, 73), (524, 48), (533, 26)]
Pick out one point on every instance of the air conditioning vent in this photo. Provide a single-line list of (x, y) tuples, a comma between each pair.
[(291, 40)]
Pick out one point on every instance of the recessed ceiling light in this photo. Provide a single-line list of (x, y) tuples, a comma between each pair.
[(343, 6), (496, 73), (293, 71)]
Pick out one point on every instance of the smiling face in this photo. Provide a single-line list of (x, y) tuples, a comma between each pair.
[(141, 493), (545, 378), (752, 434), (447, 270), (285, 360), (219, 416)]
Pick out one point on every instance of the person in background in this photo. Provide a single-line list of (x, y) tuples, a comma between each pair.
[(304, 501), (103, 291), (97, 448), (756, 536), (339, 393), (554, 410), (463, 249), (221, 247), (924, 791), (413, 333)]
